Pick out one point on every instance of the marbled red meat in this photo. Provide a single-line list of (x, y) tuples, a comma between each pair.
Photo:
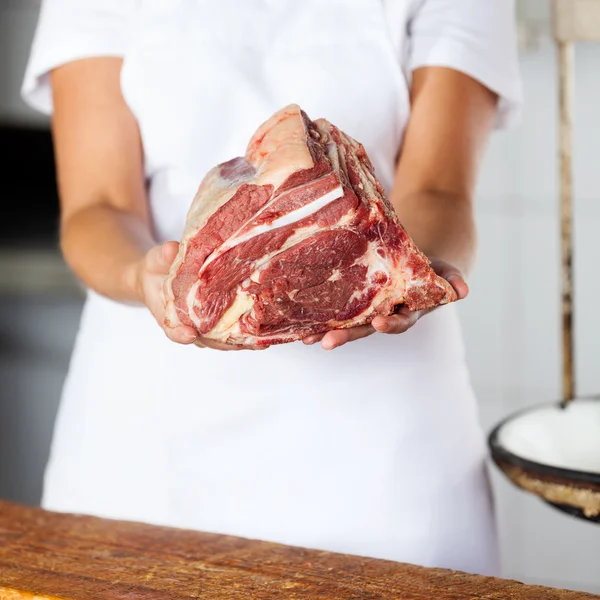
[(296, 237)]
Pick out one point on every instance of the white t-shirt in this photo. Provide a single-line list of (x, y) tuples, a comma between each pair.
[(374, 448)]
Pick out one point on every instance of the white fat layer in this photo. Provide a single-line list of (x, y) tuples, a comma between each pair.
[(376, 264), (191, 303), (295, 215), (287, 219), (229, 320), (281, 152), (279, 147), (242, 304)]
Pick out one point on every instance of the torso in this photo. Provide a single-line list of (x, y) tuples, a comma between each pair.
[(202, 75), (373, 448)]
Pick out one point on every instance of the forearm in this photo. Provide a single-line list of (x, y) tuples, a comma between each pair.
[(103, 247), (442, 227)]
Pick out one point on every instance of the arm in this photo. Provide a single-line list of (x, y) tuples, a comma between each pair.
[(451, 120), (105, 232), (104, 215)]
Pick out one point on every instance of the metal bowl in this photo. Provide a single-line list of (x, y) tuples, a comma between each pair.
[(553, 451)]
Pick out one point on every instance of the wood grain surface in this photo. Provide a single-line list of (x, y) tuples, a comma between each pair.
[(46, 555)]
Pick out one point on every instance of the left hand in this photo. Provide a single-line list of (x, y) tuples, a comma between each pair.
[(399, 322), (149, 276)]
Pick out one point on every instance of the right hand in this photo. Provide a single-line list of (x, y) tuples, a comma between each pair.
[(150, 274)]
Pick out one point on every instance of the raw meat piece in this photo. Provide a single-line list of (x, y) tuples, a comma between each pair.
[(297, 237)]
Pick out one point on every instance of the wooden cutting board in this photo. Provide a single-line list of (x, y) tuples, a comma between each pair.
[(45, 555)]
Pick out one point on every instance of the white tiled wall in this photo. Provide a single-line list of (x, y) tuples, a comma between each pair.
[(512, 321)]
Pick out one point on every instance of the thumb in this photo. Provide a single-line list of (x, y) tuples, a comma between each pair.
[(169, 251), (453, 276), (160, 258)]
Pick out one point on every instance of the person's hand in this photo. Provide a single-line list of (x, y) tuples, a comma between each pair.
[(399, 322), (150, 274)]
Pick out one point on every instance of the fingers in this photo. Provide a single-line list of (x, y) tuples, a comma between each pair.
[(395, 324), (459, 284), (181, 334), (453, 276), (208, 343), (313, 339), (339, 337), (169, 251), (160, 258)]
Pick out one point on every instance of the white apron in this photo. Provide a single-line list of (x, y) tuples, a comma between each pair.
[(374, 448)]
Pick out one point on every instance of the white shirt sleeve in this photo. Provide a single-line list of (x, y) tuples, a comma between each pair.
[(69, 30), (476, 37)]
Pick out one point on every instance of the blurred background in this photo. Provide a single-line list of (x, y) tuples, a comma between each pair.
[(511, 319)]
